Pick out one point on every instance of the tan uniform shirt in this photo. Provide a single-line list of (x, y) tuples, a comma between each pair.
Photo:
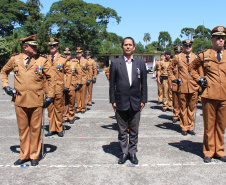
[(60, 67), (214, 71), (86, 70), (76, 74), (28, 82), (188, 85), (163, 65), (93, 67)]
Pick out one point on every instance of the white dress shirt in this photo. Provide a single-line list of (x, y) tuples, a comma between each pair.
[(129, 69)]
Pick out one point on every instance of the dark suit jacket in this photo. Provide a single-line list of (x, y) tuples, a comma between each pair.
[(120, 91)]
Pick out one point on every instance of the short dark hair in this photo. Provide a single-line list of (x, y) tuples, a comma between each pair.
[(128, 38)]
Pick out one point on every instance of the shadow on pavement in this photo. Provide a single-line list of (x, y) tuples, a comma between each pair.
[(153, 101), (169, 126), (189, 146), (113, 148), (164, 116), (66, 127), (112, 117), (113, 126), (159, 107)]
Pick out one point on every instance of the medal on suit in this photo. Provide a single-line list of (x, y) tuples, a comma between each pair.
[(38, 69), (59, 66), (138, 72), (73, 70)]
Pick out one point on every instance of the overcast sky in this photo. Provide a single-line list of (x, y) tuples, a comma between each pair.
[(153, 16)]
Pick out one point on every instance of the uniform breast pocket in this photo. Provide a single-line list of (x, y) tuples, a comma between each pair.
[(207, 65), (15, 69)]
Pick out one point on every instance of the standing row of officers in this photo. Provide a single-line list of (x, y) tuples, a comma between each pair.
[(182, 77), (58, 77)]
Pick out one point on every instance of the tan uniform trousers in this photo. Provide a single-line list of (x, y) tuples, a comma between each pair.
[(69, 110), (160, 93), (167, 91), (29, 123), (176, 107), (89, 95), (214, 116), (188, 102), (81, 98), (55, 114)]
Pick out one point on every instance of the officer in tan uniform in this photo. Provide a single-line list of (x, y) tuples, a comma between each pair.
[(94, 76), (175, 94), (107, 73), (76, 81), (160, 92), (214, 94), (62, 72), (163, 79), (188, 88), (86, 80), (29, 69)]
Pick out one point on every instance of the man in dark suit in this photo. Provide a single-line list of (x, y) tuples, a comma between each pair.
[(128, 95)]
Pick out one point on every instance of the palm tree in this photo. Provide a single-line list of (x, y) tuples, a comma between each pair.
[(147, 37)]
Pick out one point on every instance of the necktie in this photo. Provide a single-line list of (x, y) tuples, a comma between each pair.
[(187, 58), (219, 55), (28, 61), (52, 58)]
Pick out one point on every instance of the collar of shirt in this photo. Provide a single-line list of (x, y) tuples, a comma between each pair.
[(25, 57), (221, 53), (126, 60)]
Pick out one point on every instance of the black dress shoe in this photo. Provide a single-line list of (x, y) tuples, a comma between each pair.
[(223, 159), (207, 159), (71, 121), (66, 120), (164, 110), (174, 120), (49, 134), (89, 104), (77, 111), (82, 112), (60, 134), (133, 158), (21, 161), (191, 132), (184, 133), (123, 159), (34, 162)]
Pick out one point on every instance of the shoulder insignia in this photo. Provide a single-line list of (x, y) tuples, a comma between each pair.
[(14, 54), (43, 55), (67, 63), (63, 56)]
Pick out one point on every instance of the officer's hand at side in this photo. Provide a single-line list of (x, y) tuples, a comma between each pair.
[(88, 82), (8, 90), (66, 90), (203, 82), (78, 87), (94, 80), (47, 102)]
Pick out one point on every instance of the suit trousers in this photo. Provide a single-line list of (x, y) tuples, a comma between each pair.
[(188, 104), (167, 91), (29, 123), (160, 93), (214, 116), (69, 110), (81, 98), (176, 107), (89, 95), (55, 113), (128, 119)]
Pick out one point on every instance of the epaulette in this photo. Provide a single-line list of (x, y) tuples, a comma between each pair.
[(63, 56), (43, 55), (14, 54)]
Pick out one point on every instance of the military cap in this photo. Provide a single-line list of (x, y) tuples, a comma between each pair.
[(78, 49), (53, 40), (88, 52), (67, 50), (31, 40), (218, 30), (178, 49), (187, 42), (168, 52)]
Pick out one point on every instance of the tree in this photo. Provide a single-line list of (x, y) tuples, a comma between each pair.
[(4, 52), (139, 48), (177, 42), (188, 32), (34, 18), (164, 39), (77, 21), (201, 30), (147, 37), (12, 14)]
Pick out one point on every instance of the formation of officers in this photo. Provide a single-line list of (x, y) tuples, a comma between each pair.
[(186, 76), (63, 79), (58, 77)]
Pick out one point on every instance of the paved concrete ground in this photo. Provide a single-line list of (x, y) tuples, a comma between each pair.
[(89, 152)]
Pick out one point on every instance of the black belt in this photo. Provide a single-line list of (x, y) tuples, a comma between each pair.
[(164, 77)]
